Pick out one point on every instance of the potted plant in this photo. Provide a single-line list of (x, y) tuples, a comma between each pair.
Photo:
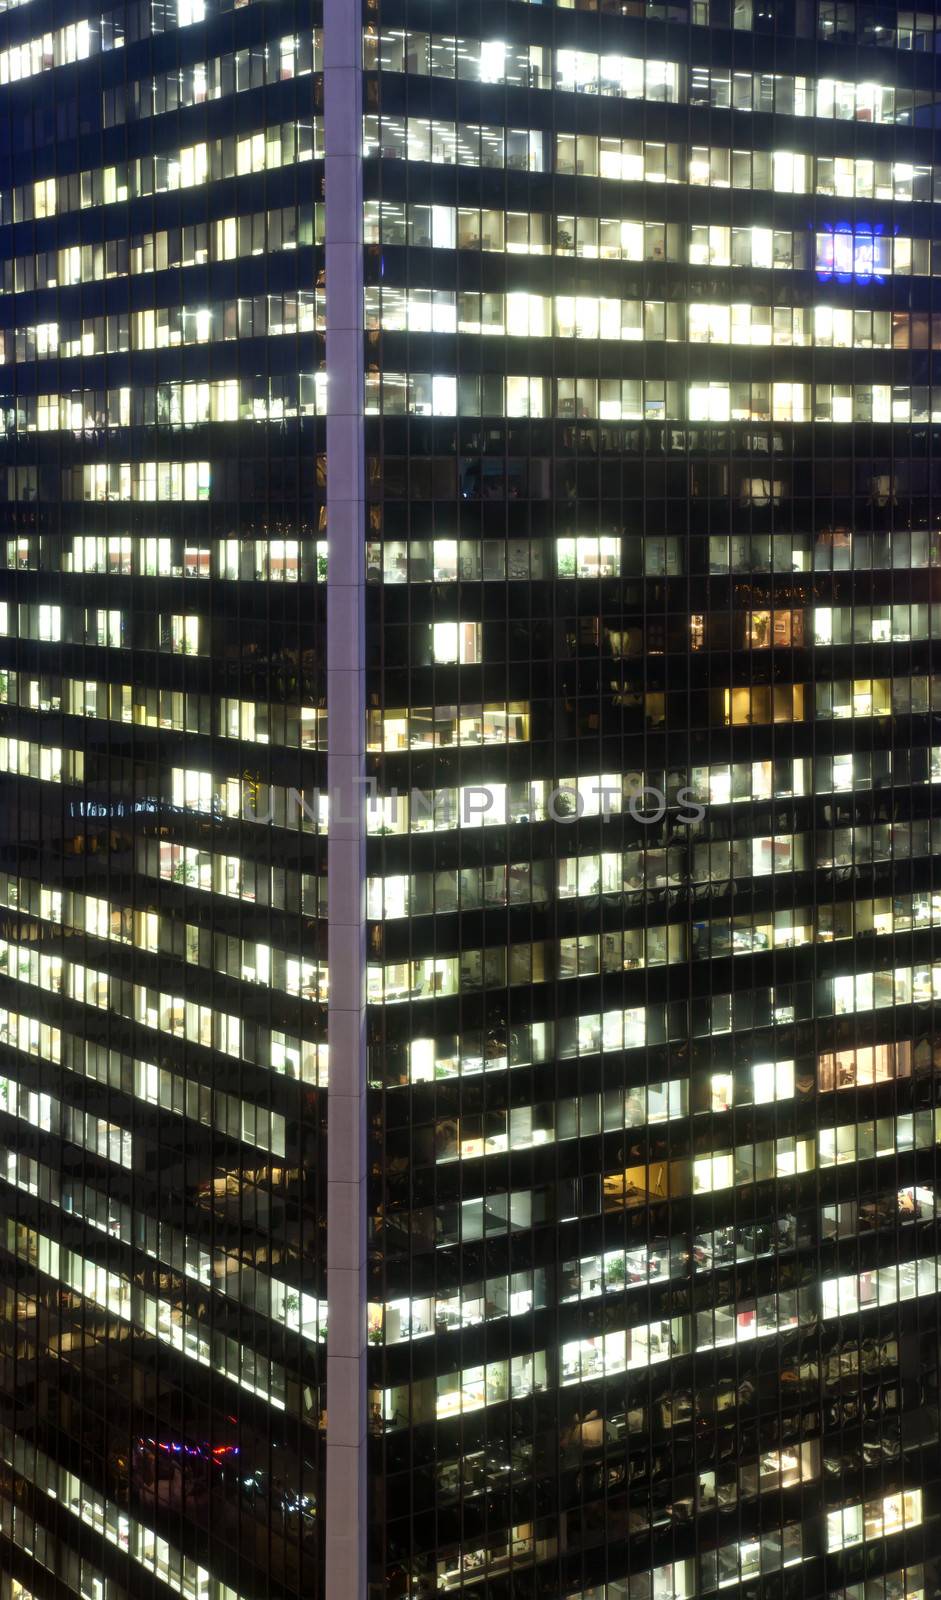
[(614, 1273)]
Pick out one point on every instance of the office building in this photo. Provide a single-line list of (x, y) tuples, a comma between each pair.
[(485, 450)]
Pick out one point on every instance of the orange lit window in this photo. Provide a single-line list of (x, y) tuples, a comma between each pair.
[(777, 629)]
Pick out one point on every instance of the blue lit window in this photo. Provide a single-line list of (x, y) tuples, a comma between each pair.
[(853, 255)]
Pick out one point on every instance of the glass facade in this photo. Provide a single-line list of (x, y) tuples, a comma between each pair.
[(162, 1015), (653, 543), (617, 1274)]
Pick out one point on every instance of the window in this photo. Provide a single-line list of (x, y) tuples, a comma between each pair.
[(456, 642)]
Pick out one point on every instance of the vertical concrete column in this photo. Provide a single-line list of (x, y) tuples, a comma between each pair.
[(345, 1512)]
